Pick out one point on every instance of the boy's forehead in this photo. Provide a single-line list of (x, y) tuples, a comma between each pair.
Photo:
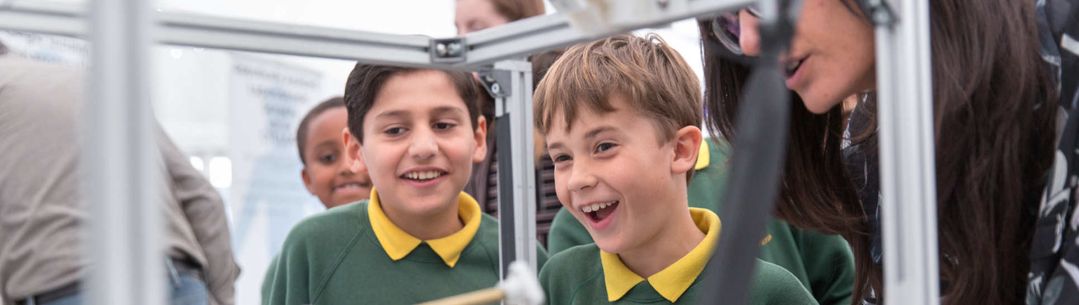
[(589, 123), (585, 114), (420, 110), (417, 92)]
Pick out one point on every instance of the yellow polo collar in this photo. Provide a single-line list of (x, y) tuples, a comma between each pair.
[(703, 158), (671, 282), (397, 243)]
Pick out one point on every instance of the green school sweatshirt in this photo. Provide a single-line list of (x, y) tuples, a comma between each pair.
[(335, 258), (823, 263), (587, 275)]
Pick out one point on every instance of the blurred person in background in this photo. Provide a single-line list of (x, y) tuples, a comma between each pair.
[(43, 217), (476, 15)]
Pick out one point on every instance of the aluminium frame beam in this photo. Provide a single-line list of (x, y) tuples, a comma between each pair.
[(907, 159), (485, 47), (121, 168), (512, 89)]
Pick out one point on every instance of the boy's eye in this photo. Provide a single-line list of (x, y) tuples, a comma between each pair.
[(605, 146), (443, 125), (560, 158), (393, 131), (327, 158)]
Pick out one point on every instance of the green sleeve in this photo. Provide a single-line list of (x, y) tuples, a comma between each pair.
[(566, 232), (287, 281), (774, 285), (310, 255), (829, 264), (541, 257), (267, 278), (545, 281)]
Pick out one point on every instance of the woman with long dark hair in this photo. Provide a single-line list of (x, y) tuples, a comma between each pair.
[(994, 116)]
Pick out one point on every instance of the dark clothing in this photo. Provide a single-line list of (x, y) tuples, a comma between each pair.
[(1054, 254)]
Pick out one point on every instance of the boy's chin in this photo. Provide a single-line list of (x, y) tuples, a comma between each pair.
[(427, 204), (610, 244), (429, 207)]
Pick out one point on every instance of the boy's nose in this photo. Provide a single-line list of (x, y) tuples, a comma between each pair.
[(345, 169), (580, 179), (749, 37), (423, 146)]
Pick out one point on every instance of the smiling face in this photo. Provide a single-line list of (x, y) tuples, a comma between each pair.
[(418, 146), (615, 176), (327, 171), (831, 57)]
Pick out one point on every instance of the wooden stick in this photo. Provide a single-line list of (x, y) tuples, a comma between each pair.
[(478, 297)]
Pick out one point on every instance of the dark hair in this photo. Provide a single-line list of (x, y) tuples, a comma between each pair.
[(366, 80), (542, 62), (994, 118), (301, 131), (515, 10)]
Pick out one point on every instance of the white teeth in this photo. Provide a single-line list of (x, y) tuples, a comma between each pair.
[(350, 185), (422, 175), (596, 206)]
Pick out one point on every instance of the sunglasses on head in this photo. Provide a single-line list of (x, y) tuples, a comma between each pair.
[(727, 29)]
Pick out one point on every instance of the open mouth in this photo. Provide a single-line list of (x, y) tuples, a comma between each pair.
[(599, 211), (423, 176)]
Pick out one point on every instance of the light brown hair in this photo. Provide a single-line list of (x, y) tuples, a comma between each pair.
[(649, 74)]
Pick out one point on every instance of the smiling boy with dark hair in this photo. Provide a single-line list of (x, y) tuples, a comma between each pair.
[(417, 133)]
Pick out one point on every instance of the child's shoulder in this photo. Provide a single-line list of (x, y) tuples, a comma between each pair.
[(488, 231), (339, 222), (571, 271), (574, 260), (776, 285)]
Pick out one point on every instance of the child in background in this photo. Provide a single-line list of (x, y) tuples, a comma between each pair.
[(326, 171)]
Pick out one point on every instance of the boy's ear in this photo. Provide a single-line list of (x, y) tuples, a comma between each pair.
[(480, 135), (352, 150), (306, 180), (687, 144)]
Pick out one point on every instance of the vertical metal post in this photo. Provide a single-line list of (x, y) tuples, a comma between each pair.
[(516, 171), (121, 168), (908, 170)]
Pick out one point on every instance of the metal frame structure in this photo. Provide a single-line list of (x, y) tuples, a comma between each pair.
[(907, 152), (907, 159), (123, 173), (510, 82)]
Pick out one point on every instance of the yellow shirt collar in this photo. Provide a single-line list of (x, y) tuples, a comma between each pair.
[(703, 158), (397, 243), (671, 282)]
